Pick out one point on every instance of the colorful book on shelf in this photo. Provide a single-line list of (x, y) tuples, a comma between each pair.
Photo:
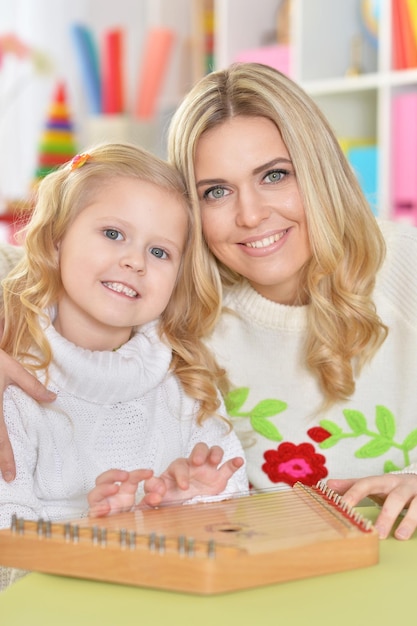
[(208, 33), (412, 12), (200, 43), (362, 155), (112, 72), (88, 62), (156, 56), (364, 161), (404, 40), (275, 55), (404, 157)]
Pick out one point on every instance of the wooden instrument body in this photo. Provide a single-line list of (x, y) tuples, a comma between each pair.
[(203, 548)]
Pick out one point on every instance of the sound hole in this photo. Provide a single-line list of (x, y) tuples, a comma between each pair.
[(224, 528)]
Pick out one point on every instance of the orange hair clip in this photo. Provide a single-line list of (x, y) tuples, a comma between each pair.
[(79, 160)]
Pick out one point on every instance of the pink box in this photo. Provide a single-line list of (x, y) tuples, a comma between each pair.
[(404, 157), (277, 56)]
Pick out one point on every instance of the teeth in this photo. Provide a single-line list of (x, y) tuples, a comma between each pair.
[(267, 241), (121, 289)]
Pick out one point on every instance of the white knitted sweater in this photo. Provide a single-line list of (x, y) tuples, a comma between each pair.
[(275, 398), (120, 409)]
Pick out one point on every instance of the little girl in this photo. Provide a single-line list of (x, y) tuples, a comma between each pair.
[(108, 307)]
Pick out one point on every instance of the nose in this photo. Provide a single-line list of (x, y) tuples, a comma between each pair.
[(134, 260), (251, 209)]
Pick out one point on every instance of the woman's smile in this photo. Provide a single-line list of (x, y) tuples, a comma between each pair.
[(266, 242), (253, 216)]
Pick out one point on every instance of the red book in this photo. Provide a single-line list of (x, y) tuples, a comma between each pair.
[(112, 70), (398, 51), (409, 44), (156, 56)]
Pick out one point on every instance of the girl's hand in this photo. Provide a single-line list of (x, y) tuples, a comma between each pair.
[(395, 492), (198, 475), (115, 491), (11, 372)]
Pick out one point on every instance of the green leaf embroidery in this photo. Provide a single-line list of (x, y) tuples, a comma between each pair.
[(410, 442), (379, 442), (234, 402), (330, 442), (331, 427), (268, 408), (376, 447), (385, 422), (265, 428), (236, 399), (389, 466), (356, 421)]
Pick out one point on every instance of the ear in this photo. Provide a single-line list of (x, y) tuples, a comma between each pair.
[(57, 247)]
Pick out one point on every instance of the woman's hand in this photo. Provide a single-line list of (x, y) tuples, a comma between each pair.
[(198, 475), (11, 372), (395, 492)]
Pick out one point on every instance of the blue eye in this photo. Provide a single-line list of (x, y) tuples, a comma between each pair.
[(215, 193), (274, 176), (112, 233), (159, 253)]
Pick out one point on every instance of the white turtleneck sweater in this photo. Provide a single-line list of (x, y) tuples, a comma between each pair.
[(120, 409), (261, 346)]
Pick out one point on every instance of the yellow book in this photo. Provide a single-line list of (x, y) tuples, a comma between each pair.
[(412, 12)]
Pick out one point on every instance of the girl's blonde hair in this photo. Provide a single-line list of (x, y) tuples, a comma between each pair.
[(347, 246), (35, 284)]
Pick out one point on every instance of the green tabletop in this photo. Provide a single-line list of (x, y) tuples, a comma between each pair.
[(383, 594)]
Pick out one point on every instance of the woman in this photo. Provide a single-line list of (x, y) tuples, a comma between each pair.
[(319, 336), (319, 333)]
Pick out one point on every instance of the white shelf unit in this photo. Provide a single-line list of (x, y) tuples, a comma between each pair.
[(323, 33)]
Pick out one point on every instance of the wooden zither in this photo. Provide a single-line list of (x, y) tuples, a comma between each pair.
[(205, 548)]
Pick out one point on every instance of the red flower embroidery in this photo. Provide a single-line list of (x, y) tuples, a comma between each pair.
[(290, 463), (318, 434)]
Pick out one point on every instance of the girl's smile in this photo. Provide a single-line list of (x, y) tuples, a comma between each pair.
[(119, 262)]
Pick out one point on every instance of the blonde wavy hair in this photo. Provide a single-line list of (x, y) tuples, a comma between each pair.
[(347, 246), (35, 284)]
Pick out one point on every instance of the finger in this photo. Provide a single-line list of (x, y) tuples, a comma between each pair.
[(340, 485), (112, 476), (155, 484), (179, 471), (238, 462), (355, 490), (100, 493), (140, 474), (216, 455), (7, 464), (199, 454), (230, 467), (151, 499), (408, 525), (130, 485), (401, 495), (99, 510), (387, 517), (17, 375)]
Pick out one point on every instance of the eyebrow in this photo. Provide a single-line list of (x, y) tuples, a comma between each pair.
[(277, 161), (257, 170)]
